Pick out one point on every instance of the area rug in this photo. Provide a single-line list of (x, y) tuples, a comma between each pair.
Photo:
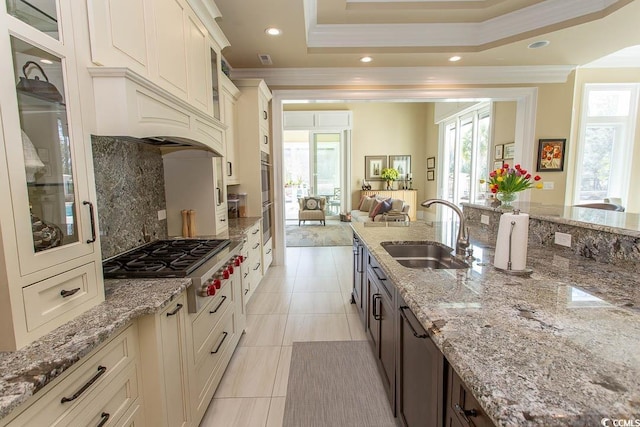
[(337, 384), (310, 234)]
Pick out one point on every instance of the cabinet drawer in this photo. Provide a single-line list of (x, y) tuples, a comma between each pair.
[(381, 276), (134, 417), (87, 383), (59, 295), (462, 406), (253, 235), (267, 254), (206, 370), (204, 324), (112, 403)]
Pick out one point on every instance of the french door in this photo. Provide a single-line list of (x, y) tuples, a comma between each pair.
[(314, 166)]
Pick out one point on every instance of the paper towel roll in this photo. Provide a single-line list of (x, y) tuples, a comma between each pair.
[(519, 240)]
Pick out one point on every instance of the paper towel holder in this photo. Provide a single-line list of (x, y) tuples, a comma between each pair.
[(508, 270)]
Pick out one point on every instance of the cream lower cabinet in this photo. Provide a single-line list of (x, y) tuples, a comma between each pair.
[(105, 388), (163, 351), (253, 260)]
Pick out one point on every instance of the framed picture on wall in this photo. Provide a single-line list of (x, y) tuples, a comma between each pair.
[(373, 166), (497, 164), (431, 162), (551, 155), (499, 151), (402, 164), (509, 150), (431, 175)]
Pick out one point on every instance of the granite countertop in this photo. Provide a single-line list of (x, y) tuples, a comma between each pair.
[(561, 347), (239, 226), (26, 371)]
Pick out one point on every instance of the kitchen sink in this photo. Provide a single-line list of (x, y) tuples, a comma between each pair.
[(423, 255)]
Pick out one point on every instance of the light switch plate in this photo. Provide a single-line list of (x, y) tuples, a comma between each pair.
[(162, 214), (547, 185), (484, 219), (562, 239)]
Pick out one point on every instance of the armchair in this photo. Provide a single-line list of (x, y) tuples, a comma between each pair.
[(312, 208)]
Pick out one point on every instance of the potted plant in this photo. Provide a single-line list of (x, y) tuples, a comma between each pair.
[(389, 175)]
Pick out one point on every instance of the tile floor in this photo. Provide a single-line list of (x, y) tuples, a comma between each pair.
[(308, 299)]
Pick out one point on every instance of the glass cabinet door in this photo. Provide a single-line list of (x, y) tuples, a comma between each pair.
[(40, 14), (48, 158)]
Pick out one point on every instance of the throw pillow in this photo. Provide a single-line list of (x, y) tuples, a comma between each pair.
[(380, 208), (366, 204), (311, 204)]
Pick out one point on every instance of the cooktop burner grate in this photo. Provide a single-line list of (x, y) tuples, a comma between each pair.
[(163, 258)]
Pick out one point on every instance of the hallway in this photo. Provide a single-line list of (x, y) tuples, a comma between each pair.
[(306, 300)]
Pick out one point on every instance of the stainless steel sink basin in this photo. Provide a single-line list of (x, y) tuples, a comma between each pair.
[(423, 255)]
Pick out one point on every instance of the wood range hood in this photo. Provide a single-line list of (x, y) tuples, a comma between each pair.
[(129, 106)]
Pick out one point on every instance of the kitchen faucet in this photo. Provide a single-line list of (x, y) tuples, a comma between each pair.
[(462, 242)]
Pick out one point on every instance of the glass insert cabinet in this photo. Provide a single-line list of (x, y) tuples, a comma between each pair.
[(48, 227)]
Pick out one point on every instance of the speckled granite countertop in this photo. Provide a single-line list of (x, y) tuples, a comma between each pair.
[(561, 347), (24, 372), (238, 226)]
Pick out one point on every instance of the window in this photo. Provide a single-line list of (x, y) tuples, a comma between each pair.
[(605, 141), (466, 158)]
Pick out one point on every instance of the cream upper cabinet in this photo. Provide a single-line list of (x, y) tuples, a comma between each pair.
[(228, 99), (50, 251), (162, 40)]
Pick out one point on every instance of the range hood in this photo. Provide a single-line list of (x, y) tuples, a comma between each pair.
[(128, 105)]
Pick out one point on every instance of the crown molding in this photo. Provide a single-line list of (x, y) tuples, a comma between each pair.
[(406, 75), (526, 20), (207, 11)]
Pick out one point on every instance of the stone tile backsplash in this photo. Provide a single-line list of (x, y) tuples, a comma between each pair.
[(130, 191)]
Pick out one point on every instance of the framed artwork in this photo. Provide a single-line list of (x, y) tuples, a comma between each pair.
[(373, 166), (402, 164), (551, 155), (431, 162), (499, 151), (509, 150), (497, 164), (431, 175)]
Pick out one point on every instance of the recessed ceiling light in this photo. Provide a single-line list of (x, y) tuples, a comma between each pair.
[(46, 61), (538, 44), (366, 59), (272, 31), (455, 58)]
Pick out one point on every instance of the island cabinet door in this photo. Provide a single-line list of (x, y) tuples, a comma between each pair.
[(381, 332), (420, 374)]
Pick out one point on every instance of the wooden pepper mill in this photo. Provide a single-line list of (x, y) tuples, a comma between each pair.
[(192, 223), (185, 223)]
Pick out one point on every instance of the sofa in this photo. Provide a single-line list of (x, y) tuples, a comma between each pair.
[(379, 209)]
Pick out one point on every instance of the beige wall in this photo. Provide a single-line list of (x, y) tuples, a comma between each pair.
[(604, 75), (553, 120), (504, 124)]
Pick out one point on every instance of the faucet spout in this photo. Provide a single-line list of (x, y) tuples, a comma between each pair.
[(462, 241)]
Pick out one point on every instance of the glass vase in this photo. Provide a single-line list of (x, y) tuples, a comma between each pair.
[(506, 199), (389, 185)]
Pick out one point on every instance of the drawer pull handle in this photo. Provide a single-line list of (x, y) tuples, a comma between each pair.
[(101, 371), (246, 291), (376, 316), (224, 337), (104, 417), (269, 251), (256, 246), (65, 293), (465, 414), (222, 219), (404, 316), (224, 297), (175, 310), (93, 221), (256, 267), (256, 232), (264, 115), (375, 271), (245, 274)]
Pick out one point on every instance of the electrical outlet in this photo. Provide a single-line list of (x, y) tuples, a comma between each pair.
[(162, 214), (547, 185), (484, 219), (562, 239)]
